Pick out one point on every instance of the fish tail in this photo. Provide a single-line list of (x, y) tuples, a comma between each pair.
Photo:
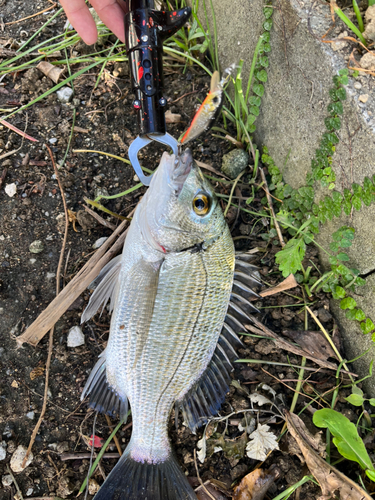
[(132, 480)]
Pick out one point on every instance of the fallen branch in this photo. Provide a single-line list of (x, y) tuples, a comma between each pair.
[(81, 456), (17, 131), (50, 345), (101, 221)]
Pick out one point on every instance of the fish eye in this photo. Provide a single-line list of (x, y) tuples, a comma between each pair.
[(215, 99), (201, 204)]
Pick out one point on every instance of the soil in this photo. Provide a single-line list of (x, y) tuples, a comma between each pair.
[(107, 123)]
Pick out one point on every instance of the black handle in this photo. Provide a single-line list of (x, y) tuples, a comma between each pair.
[(145, 31)]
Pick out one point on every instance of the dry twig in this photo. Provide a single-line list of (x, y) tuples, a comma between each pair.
[(199, 478), (32, 15), (102, 221), (50, 345), (115, 438)]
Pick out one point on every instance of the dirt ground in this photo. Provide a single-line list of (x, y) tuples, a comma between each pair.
[(28, 280)]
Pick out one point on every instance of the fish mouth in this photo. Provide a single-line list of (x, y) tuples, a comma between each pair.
[(182, 168)]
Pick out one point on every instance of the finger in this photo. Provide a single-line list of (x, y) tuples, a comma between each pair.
[(79, 16), (112, 14)]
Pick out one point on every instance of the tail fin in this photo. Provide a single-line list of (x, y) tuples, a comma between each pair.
[(131, 480)]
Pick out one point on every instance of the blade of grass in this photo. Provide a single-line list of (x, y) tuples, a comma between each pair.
[(56, 14), (359, 17), (101, 452), (348, 22)]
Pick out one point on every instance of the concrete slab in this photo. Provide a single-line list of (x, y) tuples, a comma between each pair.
[(291, 121)]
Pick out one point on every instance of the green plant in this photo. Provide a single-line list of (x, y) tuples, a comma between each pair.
[(244, 109), (348, 22), (346, 438)]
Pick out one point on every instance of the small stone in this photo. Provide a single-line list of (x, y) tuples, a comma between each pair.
[(369, 32), (10, 189), (30, 415), (7, 480), (85, 220), (36, 246), (49, 276), (53, 140), (357, 85), (17, 459), (339, 45), (15, 384), (101, 191), (363, 98), (98, 243), (3, 450), (368, 60), (29, 492), (32, 261), (64, 94), (93, 487), (234, 163), (62, 447), (75, 337)]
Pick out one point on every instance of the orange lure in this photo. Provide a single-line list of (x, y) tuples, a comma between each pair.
[(210, 107)]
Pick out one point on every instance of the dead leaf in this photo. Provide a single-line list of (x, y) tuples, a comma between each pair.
[(36, 372), (261, 442), (254, 486), (287, 284), (329, 478), (172, 117), (48, 69), (313, 342)]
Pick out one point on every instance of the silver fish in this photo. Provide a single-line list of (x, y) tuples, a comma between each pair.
[(171, 331)]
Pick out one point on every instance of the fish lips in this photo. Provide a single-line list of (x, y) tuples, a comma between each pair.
[(183, 165)]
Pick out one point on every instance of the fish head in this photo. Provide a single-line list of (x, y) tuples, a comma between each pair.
[(181, 210)]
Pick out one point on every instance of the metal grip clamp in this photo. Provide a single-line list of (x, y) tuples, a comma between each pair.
[(145, 31)]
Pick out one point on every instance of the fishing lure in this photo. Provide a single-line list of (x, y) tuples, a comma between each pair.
[(210, 108)]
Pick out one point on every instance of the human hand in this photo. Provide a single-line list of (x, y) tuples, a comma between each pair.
[(111, 12)]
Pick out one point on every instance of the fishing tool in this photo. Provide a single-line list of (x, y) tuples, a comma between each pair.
[(145, 31)]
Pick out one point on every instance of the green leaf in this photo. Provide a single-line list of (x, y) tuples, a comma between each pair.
[(372, 401), (291, 256), (263, 61), (343, 256), (256, 101), (359, 315), (267, 25), (346, 437), (370, 474), (266, 36), (356, 200), (267, 47), (348, 303), (340, 292), (254, 110), (258, 89), (262, 75), (267, 12), (367, 326), (356, 390), (341, 94), (355, 400), (350, 314)]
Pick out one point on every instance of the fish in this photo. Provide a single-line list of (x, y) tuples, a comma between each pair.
[(178, 294), (210, 107)]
